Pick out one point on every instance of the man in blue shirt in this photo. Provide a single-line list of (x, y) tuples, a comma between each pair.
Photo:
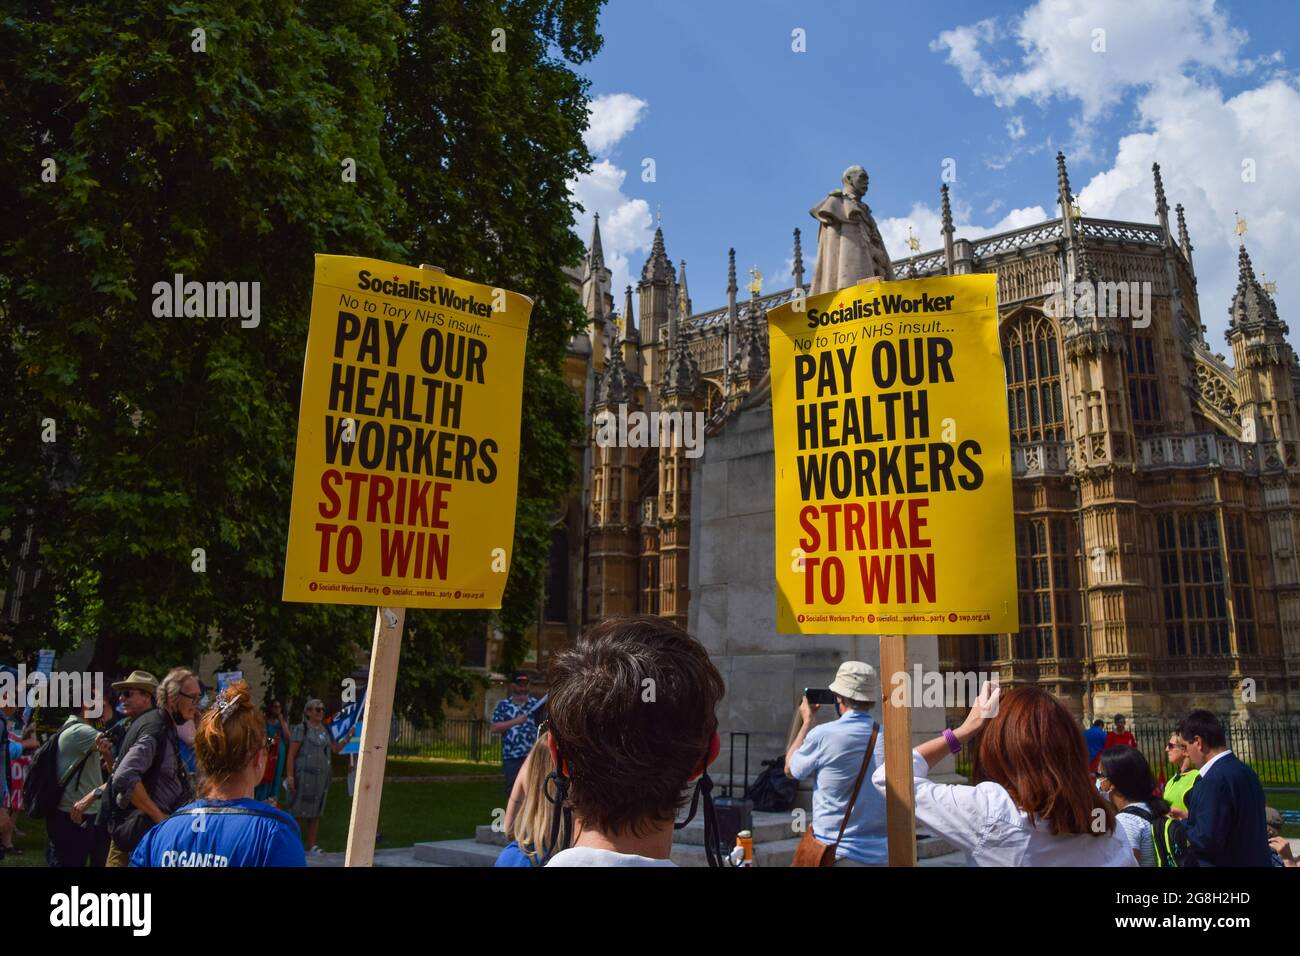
[(834, 752), (1096, 739), (513, 720)]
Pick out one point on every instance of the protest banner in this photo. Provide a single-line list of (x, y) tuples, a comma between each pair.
[(893, 461), (407, 461), (407, 465), (893, 479), (44, 665)]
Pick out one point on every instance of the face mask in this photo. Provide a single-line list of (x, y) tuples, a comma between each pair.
[(186, 732)]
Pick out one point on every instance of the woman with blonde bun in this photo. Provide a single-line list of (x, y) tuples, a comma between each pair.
[(226, 826)]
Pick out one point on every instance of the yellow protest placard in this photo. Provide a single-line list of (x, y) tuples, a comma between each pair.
[(407, 463), (893, 461)]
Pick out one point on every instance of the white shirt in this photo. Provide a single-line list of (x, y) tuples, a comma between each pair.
[(1211, 762), (1138, 832), (985, 822), (591, 856)]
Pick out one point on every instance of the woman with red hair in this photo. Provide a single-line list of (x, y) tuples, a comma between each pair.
[(1033, 802)]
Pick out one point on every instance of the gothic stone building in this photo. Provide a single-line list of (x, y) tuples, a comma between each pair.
[(1156, 486)]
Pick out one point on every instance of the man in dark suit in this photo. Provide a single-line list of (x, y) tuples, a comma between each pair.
[(1225, 810)]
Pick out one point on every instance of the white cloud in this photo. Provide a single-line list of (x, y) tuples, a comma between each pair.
[(1016, 127), (625, 222), (612, 117), (926, 223), (1200, 140), (1092, 50), (1181, 117)]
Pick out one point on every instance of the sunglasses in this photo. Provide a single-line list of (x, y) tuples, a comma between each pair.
[(1175, 746)]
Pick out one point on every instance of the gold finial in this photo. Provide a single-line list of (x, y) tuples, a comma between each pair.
[(1241, 224), (756, 284), (913, 242), (1076, 211), (1267, 285)]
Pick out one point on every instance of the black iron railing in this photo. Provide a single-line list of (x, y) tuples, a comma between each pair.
[(1270, 746), (456, 739)]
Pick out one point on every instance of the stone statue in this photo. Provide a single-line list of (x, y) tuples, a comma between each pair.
[(849, 247)]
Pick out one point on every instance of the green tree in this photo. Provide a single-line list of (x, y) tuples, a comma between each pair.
[(176, 434)]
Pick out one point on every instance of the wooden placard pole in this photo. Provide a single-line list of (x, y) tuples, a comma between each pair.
[(375, 726), (900, 791)]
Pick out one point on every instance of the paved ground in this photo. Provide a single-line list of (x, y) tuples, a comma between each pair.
[(405, 856), (398, 856)]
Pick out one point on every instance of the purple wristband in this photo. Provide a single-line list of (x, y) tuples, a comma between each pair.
[(953, 743)]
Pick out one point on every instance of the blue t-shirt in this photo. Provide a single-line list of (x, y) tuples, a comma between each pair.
[(512, 855), (1096, 738), (219, 833)]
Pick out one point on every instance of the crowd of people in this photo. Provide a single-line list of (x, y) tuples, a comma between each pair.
[(604, 778), (161, 773), (162, 780)]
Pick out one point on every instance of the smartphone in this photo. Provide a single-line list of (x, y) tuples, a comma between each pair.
[(819, 695)]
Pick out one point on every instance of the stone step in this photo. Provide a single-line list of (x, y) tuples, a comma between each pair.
[(928, 845), (457, 853), (767, 828), (776, 853), (483, 833), (931, 851)]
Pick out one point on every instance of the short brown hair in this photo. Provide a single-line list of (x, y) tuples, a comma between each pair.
[(1035, 750), (229, 735), (630, 747)]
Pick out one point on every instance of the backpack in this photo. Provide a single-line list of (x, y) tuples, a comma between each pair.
[(1169, 837), (772, 790), (43, 788)]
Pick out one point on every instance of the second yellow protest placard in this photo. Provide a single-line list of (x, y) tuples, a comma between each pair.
[(893, 461), (407, 462)]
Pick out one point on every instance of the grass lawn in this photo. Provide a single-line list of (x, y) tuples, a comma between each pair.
[(1284, 801), (415, 812), (32, 843), (428, 767)]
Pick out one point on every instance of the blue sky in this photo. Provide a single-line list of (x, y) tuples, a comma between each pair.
[(747, 135)]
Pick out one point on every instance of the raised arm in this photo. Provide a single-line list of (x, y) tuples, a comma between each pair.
[(806, 722), (959, 813)]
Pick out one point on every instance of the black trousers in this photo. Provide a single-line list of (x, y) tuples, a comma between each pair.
[(72, 845)]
